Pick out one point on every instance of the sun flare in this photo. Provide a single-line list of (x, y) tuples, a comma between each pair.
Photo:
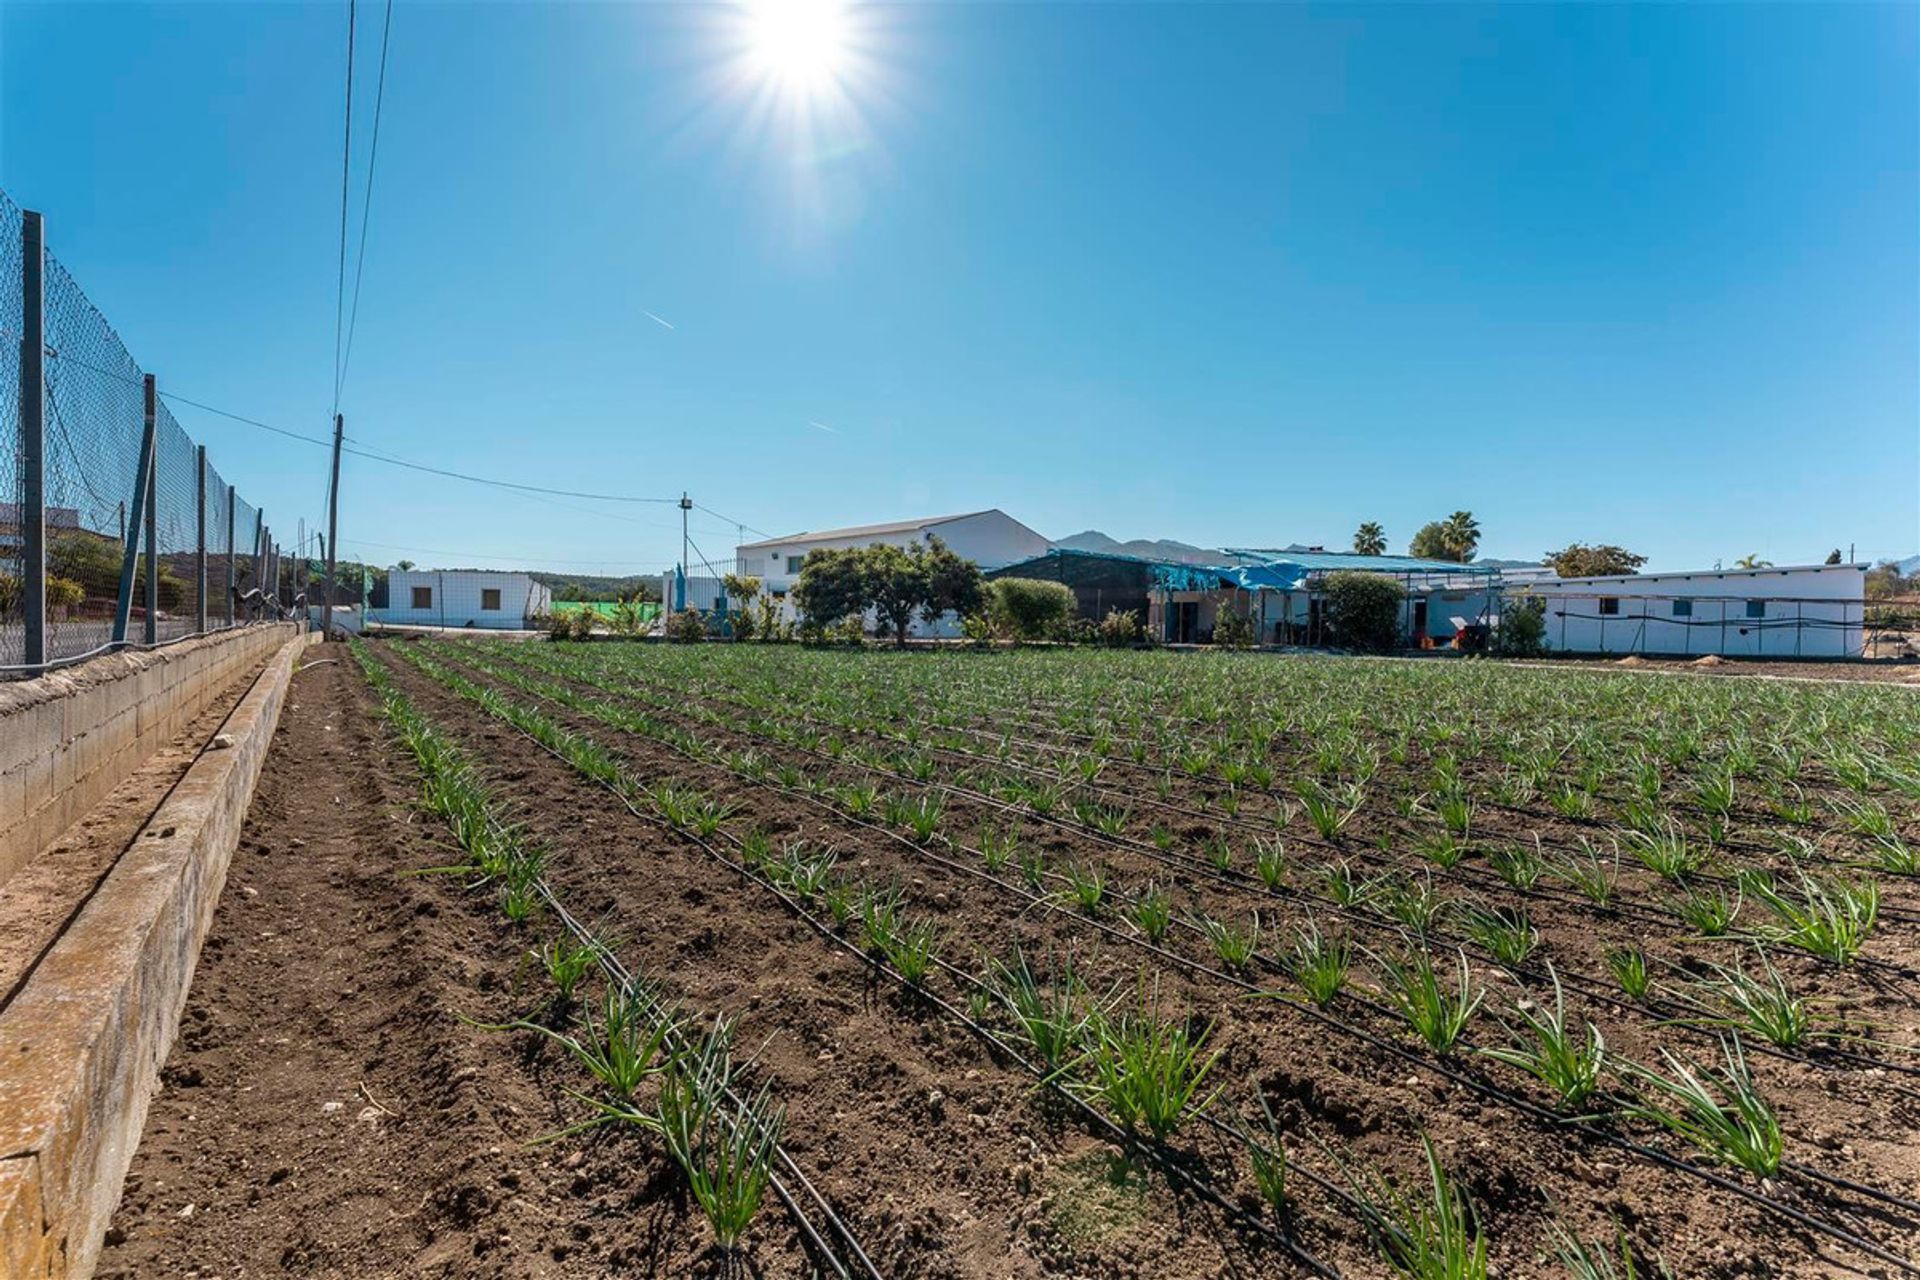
[(799, 45)]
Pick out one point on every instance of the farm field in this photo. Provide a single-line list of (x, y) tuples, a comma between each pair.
[(1176, 965)]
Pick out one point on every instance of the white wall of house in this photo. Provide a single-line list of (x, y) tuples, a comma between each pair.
[(462, 598), (1803, 611), (992, 539)]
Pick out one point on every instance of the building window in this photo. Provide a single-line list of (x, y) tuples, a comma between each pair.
[(423, 597), (1756, 608), (1683, 608), (490, 598), (1609, 605), (794, 563)]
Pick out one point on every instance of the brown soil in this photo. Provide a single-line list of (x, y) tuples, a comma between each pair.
[(331, 977), (324, 1111)]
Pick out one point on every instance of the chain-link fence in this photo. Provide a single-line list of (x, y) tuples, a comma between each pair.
[(124, 492)]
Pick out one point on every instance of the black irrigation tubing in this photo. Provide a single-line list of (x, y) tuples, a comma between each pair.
[(1114, 1132), (618, 973), (1830, 1059), (1619, 908), (1532, 1109), (802, 715)]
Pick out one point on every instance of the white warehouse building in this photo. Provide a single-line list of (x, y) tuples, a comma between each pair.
[(992, 539), (462, 598), (1799, 611)]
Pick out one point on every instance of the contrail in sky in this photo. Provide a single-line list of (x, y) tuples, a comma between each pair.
[(822, 426), (656, 319)]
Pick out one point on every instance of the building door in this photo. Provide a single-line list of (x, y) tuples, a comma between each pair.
[(1419, 621), (1186, 620)]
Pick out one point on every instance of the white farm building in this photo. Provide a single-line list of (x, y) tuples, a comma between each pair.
[(992, 539), (1800, 611), (461, 598)]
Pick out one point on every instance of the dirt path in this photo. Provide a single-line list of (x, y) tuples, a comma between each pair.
[(323, 1112)]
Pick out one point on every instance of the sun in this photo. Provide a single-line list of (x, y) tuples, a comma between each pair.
[(801, 46)]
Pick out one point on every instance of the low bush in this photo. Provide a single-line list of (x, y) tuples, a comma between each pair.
[(1522, 632), (686, 627), (1028, 608), (1233, 629), (1363, 610), (1120, 628)]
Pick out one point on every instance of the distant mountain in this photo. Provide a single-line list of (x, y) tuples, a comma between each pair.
[(1909, 566), (1147, 548)]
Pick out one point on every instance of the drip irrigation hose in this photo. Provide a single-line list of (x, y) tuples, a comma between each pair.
[(618, 974), (1652, 1154)]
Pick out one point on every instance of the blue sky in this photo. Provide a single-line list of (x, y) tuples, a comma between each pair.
[(1230, 274)]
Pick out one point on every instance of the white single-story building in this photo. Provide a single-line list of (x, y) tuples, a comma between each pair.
[(1796, 611), (461, 598), (992, 539)]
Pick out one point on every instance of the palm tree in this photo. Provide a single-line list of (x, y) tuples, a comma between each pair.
[(1462, 533), (1370, 540), (1752, 562)]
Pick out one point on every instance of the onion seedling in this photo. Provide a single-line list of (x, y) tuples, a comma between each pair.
[(1548, 1050), (1629, 968), (1152, 913), (1319, 963), (1435, 1236), (1585, 1261), (1710, 913), (1767, 1007), (1436, 1015), (1147, 1070), (1235, 947), (1829, 918), (1054, 1018), (1718, 1109), (1267, 1154), (1506, 932), (1270, 862)]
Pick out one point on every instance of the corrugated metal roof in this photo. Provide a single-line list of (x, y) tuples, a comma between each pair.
[(862, 530), (1331, 561)]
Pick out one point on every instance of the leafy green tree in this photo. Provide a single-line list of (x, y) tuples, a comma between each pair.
[(1370, 540), (898, 582), (954, 584), (1363, 610), (1599, 561), (742, 589), (403, 565), (1752, 562), (832, 584), (1833, 556)]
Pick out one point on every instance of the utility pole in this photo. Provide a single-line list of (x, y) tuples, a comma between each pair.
[(333, 524), (686, 505)]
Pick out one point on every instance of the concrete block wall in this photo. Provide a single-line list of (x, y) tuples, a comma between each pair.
[(85, 1037), (68, 738)]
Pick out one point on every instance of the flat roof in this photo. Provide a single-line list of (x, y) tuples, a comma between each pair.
[(1712, 573), (861, 530)]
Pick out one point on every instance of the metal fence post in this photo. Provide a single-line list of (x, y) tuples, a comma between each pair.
[(152, 629), (136, 519), (200, 524), (232, 555), (33, 437), (259, 559)]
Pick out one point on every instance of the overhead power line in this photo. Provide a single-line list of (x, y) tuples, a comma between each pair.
[(366, 208), (346, 175)]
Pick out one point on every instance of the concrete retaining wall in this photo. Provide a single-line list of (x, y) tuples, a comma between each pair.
[(68, 738), (82, 1043)]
